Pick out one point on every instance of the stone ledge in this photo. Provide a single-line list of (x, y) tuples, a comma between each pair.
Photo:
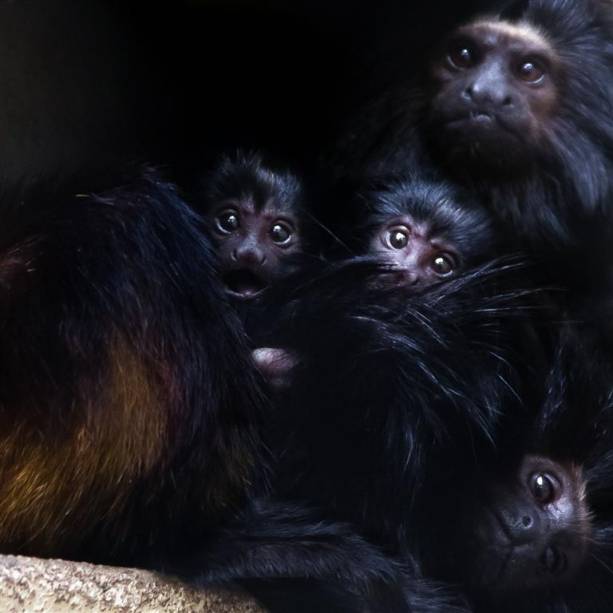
[(56, 586)]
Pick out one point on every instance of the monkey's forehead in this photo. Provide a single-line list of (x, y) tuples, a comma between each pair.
[(501, 30)]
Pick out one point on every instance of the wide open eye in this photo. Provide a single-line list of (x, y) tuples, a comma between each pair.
[(281, 233), (227, 221), (530, 71), (398, 237), (544, 487), (443, 264), (462, 55)]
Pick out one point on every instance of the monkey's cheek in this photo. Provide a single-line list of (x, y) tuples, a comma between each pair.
[(523, 571), (480, 136), (489, 552), (488, 530), (503, 569), (488, 568)]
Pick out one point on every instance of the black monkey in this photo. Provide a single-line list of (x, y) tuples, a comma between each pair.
[(256, 213), (521, 525), (383, 382), (532, 531), (102, 330), (131, 408), (526, 530), (516, 106), (522, 102), (378, 387), (425, 228)]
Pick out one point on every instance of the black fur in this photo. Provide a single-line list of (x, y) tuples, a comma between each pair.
[(388, 384), (572, 426), (452, 214), (263, 180), (130, 407), (109, 321), (567, 179), (247, 174), (261, 194)]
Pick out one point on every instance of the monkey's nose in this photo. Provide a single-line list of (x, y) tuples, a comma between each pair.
[(488, 96), (249, 256), (412, 278), (522, 525), (406, 277)]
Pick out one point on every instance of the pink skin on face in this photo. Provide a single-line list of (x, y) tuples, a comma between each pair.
[(253, 244), (418, 258)]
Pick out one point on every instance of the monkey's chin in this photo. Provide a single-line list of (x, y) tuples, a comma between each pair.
[(488, 573), (482, 141)]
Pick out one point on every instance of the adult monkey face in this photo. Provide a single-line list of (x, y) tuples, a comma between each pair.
[(494, 89)]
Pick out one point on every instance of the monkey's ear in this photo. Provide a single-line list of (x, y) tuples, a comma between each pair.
[(275, 364)]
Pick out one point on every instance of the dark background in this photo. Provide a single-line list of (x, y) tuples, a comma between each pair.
[(88, 84)]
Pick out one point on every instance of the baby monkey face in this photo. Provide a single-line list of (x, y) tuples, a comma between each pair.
[(417, 256), (254, 245)]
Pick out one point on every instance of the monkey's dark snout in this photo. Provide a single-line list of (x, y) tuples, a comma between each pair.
[(249, 256), (406, 277), (521, 525), (487, 98), (398, 277)]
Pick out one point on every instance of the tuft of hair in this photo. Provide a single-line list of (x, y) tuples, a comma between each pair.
[(580, 134), (375, 368), (248, 175), (450, 213)]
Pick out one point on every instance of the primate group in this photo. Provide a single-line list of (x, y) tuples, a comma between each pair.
[(383, 386)]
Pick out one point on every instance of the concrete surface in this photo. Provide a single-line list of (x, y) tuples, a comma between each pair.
[(56, 586)]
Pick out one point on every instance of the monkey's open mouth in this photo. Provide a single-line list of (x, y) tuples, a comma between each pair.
[(244, 284)]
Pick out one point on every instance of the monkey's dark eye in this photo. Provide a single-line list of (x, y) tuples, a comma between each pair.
[(544, 487), (554, 561), (443, 264), (398, 237), (462, 55), (280, 233), (530, 71), (227, 222)]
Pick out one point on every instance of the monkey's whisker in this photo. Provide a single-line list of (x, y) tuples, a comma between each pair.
[(602, 563), (328, 231)]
